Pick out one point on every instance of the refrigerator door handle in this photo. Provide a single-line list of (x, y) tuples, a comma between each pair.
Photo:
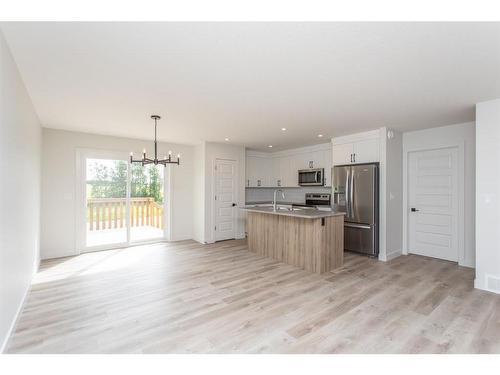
[(351, 199), (347, 194), (360, 226)]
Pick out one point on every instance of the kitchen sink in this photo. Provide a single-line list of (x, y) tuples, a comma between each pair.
[(288, 209)]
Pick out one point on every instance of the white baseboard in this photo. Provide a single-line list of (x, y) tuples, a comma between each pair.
[(390, 256), (199, 240), (490, 283), (468, 265), (46, 255), (182, 238), (13, 326)]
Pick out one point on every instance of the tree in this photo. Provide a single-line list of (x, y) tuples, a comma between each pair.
[(110, 181)]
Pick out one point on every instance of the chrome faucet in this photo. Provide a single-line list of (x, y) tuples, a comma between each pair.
[(274, 200)]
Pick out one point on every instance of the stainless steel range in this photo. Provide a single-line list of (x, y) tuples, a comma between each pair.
[(318, 199)]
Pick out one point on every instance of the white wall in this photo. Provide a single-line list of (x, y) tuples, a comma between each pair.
[(199, 193), (452, 135), (20, 142), (488, 196), (393, 195), (58, 217)]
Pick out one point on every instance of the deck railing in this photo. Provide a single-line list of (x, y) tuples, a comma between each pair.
[(110, 213)]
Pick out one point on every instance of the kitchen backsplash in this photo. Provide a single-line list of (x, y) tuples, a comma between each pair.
[(295, 195)]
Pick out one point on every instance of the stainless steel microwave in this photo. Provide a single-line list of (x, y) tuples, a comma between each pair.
[(311, 177)]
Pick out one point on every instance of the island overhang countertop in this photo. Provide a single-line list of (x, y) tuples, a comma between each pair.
[(304, 213)]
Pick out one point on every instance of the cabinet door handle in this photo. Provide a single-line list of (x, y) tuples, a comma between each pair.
[(351, 158), (354, 158), (279, 182), (258, 182), (248, 182)]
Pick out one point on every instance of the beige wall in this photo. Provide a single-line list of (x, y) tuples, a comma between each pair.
[(20, 141), (58, 217)]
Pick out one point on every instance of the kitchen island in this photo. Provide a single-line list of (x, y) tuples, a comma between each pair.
[(307, 238)]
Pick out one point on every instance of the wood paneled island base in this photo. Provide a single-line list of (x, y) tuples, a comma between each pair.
[(313, 244)]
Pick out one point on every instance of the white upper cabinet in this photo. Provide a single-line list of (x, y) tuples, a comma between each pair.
[(367, 151), (302, 160), (316, 160), (280, 169), (327, 157), (284, 175), (357, 148), (258, 171), (342, 153)]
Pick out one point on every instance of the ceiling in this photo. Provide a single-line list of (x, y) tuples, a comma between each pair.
[(245, 81)]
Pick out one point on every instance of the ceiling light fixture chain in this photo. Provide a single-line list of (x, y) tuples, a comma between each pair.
[(166, 160)]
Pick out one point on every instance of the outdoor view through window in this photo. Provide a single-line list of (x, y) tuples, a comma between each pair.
[(107, 202)]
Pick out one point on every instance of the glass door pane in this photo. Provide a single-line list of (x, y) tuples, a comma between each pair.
[(146, 202), (106, 198)]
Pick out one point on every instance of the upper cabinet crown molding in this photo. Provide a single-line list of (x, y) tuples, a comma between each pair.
[(357, 137)]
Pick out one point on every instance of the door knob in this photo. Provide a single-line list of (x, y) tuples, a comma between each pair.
[(413, 209), (234, 204)]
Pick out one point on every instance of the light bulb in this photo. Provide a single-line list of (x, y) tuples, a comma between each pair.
[(170, 152)]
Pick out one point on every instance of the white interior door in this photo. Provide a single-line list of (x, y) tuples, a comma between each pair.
[(433, 203), (225, 199)]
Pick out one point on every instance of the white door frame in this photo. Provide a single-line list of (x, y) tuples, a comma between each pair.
[(212, 197), (80, 177), (460, 146)]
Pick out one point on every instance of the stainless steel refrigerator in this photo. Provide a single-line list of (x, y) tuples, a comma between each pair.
[(355, 191)]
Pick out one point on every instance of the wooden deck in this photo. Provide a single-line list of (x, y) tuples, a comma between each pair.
[(186, 297)]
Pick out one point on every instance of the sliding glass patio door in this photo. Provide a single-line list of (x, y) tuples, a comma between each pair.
[(106, 202), (146, 202), (121, 204)]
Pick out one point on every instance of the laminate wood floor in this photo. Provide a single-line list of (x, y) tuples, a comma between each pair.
[(185, 297)]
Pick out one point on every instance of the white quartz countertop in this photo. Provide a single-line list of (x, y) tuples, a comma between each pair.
[(304, 213)]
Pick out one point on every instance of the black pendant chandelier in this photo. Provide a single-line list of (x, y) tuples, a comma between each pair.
[(166, 160)]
